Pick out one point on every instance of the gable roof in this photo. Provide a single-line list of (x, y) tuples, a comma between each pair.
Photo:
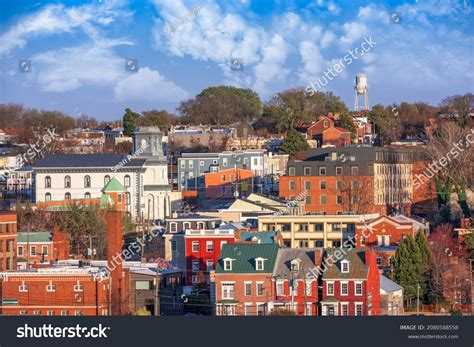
[(107, 160), (286, 255), (114, 186), (357, 264), (264, 237), (388, 285), (244, 256)]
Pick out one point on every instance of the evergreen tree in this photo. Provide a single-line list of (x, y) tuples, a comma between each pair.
[(129, 122), (293, 142), (422, 243)]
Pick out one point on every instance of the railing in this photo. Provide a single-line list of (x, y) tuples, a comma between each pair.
[(208, 232)]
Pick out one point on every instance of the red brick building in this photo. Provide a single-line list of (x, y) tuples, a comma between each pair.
[(350, 283), (336, 136), (8, 236), (54, 292), (202, 250), (222, 184), (382, 231)]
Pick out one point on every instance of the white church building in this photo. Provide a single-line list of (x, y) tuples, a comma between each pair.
[(144, 174)]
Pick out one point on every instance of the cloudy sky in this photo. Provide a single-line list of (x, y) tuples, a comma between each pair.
[(76, 52)]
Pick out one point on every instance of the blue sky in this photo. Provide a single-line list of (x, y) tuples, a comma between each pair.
[(78, 49)]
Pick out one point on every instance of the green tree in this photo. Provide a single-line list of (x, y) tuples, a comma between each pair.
[(293, 142), (221, 105), (129, 122), (156, 118), (422, 242), (407, 268), (386, 124), (348, 124)]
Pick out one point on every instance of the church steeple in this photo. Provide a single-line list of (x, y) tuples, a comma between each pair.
[(148, 143)]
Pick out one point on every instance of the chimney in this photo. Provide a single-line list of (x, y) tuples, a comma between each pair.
[(318, 256), (114, 260)]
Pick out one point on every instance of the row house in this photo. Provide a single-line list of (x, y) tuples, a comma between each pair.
[(20, 184), (54, 292), (41, 247), (313, 230), (8, 237), (357, 179), (228, 183), (350, 283)]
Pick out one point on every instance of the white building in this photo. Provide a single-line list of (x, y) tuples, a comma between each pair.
[(144, 174)]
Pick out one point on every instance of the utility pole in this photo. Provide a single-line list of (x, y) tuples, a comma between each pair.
[(157, 292), (417, 299)]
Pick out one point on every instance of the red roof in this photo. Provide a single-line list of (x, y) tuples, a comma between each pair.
[(341, 130)]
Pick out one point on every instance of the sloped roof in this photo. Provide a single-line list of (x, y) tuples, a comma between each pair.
[(265, 237), (87, 160), (114, 186), (357, 267), (388, 285), (244, 256), (37, 236), (286, 255)]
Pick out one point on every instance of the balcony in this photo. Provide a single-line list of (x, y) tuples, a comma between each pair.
[(204, 232)]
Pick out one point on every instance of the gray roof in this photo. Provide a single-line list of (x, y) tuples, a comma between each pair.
[(286, 255), (231, 226), (86, 160), (388, 285)]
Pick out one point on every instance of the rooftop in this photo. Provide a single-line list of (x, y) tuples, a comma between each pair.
[(86, 160)]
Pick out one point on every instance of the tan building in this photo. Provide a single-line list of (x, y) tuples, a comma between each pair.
[(313, 230)]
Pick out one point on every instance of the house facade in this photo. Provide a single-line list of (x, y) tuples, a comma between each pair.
[(8, 237)]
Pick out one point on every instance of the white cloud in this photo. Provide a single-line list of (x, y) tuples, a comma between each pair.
[(312, 59), (148, 85)]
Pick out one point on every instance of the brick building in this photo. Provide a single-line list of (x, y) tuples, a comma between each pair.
[(336, 136), (350, 283), (8, 237), (225, 183)]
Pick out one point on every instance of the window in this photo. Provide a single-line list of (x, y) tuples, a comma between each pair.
[(280, 288), (87, 181), (329, 288), (322, 200), (173, 246), (33, 251), (354, 170), (338, 184), (338, 170), (307, 185), (344, 266), (106, 179), (186, 225), (67, 196), (292, 185), (209, 265), (248, 310), (309, 288), (44, 250), (209, 246), (50, 313), (64, 312), (259, 288), (20, 251), (354, 184), (37, 313), (344, 309), (224, 162), (126, 181), (195, 246), (227, 290), (307, 171), (344, 288), (23, 288), (127, 198), (227, 264), (200, 225), (194, 279), (67, 182), (379, 261), (201, 163), (23, 313), (358, 309), (47, 197), (232, 178), (291, 171), (47, 182), (322, 171), (78, 313), (339, 199), (308, 200), (191, 164), (195, 266), (386, 240), (358, 288), (259, 264), (322, 185), (78, 288), (173, 227), (182, 164), (142, 285), (50, 288), (87, 195), (222, 178), (248, 288)]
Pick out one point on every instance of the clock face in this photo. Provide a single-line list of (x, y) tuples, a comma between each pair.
[(144, 144)]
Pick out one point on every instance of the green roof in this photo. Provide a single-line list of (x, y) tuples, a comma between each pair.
[(114, 186), (244, 256), (38, 236), (105, 201), (266, 237)]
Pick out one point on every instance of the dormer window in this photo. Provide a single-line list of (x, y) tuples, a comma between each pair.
[(227, 264), (259, 264), (295, 265), (344, 266)]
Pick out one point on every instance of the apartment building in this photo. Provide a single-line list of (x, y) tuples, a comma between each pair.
[(313, 230), (8, 237)]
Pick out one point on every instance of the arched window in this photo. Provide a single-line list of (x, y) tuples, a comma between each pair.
[(106, 179), (126, 181), (67, 196), (87, 195), (47, 182), (87, 181), (67, 182), (127, 198), (47, 197)]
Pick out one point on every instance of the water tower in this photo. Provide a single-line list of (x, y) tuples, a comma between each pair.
[(361, 88)]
